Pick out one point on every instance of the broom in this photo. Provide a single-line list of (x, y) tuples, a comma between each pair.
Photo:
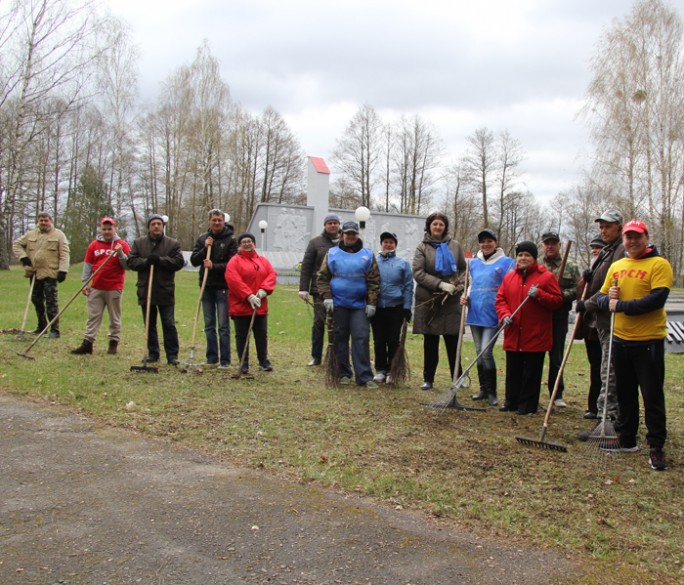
[(400, 371), (332, 364), (604, 435)]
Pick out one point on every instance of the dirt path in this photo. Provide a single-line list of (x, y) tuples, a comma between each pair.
[(82, 504)]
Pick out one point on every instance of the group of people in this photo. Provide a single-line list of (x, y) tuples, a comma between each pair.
[(620, 299)]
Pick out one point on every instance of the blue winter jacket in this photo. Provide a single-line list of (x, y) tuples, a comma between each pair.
[(348, 282), (396, 281), (486, 277)]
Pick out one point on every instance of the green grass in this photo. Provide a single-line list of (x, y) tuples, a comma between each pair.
[(614, 515)]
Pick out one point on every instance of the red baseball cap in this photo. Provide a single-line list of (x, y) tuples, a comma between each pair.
[(107, 220), (635, 225)]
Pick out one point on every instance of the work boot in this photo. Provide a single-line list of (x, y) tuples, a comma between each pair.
[(490, 376), (113, 346), (86, 347), (484, 386)]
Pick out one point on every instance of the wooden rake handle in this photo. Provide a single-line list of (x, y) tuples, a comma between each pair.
[(199, 300)]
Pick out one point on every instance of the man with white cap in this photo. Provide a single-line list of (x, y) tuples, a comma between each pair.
[(610, 227), (636, 290), (313, 257)]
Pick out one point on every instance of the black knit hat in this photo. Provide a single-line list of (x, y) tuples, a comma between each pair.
[(246, 235), (526, 246)]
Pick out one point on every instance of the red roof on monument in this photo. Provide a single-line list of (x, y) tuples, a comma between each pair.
[(319, 165)]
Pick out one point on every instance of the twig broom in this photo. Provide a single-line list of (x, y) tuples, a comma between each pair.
[(400, 372)]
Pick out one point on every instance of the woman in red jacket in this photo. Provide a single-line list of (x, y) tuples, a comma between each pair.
[(250, 279), (528, 335)]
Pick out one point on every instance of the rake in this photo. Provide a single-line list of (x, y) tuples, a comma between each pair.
[(145, 367), (22, 331), (191, 363), (71, 300), (541, 443), (604, 435), (449, 399)]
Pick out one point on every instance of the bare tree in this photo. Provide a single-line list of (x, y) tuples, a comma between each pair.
[(479, 164)]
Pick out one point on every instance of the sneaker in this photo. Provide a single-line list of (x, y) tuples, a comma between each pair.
[(379, 377), (53, 335), (656, 459), (224, 367), (589, 415), (371, 385), (173, 361), (388, 380), (426, 386), (584, 436), (266, 367), (210, 364), (559, 403), (345, 381), (314, 362)]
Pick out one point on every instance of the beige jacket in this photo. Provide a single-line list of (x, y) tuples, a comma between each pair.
[(48, 252)]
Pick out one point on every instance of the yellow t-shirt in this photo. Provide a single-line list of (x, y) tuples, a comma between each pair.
[(636, 279)]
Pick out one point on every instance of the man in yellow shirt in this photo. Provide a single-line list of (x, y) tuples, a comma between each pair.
[(644, 280)]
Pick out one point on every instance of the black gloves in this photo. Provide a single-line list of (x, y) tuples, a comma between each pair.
[(153, 259), (587, 275), (579, 307), (26, 261), (61, 276), (408, 315)]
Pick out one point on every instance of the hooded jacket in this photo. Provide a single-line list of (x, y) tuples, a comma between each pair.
[(245, 274), (112, 276), (48, 252), (531, 329), (396, 281), (223, 249), (170, 261), (486, 278)]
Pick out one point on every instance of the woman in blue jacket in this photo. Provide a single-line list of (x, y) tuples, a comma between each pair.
[(486, 274), (394, 304)]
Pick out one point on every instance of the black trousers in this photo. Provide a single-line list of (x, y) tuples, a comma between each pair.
[(386, 326), (260, 332), (168, 322), (431, 355), (594, 355), (523, 380), (640, 365), (318, 328), (560, 332)]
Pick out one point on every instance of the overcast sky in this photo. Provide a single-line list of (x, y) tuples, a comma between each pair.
[(521, 65)]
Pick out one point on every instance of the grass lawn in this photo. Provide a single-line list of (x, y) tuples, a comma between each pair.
[(612, 513)]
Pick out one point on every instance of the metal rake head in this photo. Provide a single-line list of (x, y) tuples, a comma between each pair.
[(548, 445)]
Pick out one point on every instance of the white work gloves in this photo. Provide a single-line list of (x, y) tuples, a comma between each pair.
[(532, 293), (447, 287), (328, 304), (255, 301), (261, 293), (304, 295), (507, 321), (370, 311)]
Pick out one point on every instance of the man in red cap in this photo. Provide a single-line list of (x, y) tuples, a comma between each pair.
[(644, 280), (106, 289)]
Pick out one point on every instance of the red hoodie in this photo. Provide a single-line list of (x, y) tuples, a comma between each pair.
[(531, 329), (246, 273)]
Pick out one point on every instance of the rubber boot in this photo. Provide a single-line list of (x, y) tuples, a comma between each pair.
[(86, 347), (113, 346), (491, 387), (484, 388)]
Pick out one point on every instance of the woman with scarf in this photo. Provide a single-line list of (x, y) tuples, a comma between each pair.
[(439, 272)]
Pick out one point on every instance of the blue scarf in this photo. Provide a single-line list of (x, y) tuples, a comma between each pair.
[(445, 263)]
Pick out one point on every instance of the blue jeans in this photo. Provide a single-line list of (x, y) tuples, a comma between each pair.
[(215, 304), (354, 323), (168, 328), (482, 336)]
